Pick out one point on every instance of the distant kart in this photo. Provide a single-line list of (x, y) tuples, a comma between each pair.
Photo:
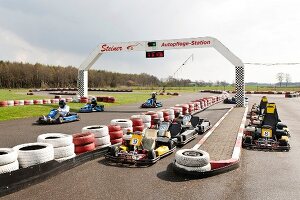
[(150, 104), (232, 100), (50, 118), (88, 108)]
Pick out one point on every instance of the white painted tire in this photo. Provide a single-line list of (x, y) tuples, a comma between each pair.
[(123, 123), (146, 118), (21, 102), (66, 158), (61, 152), (7, 156), (56, 139), (102, 141), (10, 103), (192, 158), (9, 167), (170, 111), (98, 130), (160, 114), (194, 169), (172, 117), (147, 124), (28, 155), (125, 130)]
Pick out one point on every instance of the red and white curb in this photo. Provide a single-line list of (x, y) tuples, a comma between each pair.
[(197, 146), (238, 144)]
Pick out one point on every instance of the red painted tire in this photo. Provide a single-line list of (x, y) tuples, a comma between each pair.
[(83, 138), (167, 118), (84, 100), (137, 122), (85, 148), (111, 99), (16, 102), (116, 134), (3, 103), (112, 128), (115, 141), (138, 128), (166, 113)]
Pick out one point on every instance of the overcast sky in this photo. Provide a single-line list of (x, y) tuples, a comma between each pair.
[(63, 33)]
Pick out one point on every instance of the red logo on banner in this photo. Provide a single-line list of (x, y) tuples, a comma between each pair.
[(105, 47)]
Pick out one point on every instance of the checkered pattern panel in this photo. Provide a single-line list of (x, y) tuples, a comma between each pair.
[(82, 85), (240, 86)]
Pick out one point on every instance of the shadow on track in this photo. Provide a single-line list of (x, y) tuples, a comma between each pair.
[(171, 176)]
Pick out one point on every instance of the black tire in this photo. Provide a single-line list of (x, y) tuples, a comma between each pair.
[(113, 151), (151, 154), (171, 144), (248, 140), (59, 120)]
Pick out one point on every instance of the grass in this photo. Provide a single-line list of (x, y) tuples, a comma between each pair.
[(16, 94), (19, 112)]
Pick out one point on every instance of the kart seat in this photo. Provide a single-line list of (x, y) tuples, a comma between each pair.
[(271, 116), (175, 129)]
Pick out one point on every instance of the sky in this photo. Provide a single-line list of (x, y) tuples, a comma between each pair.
[(65, 32)]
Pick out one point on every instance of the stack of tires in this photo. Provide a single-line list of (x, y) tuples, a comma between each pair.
[(38, 102), (8, 160), (160, 115), (84, 142), (185, 108), (153, 115), (10, 103), (116, 134), (84, 100), (3, 103), (137, 124), (197, 105), (125, 124), (102, 138), (192, 160), (31, 154), (145, 118), (177, 110), (171, 114), (191, 107), (62, 143)]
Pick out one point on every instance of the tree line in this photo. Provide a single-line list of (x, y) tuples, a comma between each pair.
[(25, 75)]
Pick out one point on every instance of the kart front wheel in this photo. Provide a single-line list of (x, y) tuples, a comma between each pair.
[(151, 154), (59, 120), (113, 151)]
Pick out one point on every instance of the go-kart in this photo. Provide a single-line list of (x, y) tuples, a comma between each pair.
[(186, 128), (150, 104), (89, 108), (232, 100), (141, 148), (50, 118), (267, 132)]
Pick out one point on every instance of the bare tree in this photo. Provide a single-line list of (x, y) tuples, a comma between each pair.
[(280, 77), (287, 79)]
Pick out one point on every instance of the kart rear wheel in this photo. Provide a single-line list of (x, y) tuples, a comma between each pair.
[(113, 151), (151, 154)]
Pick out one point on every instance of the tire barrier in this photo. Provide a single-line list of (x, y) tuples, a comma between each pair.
[(115, 133), (10, 103), (137, 124), (46, 101), (84, 100), (62, 144), (31, 154), (84, 142), (106, 99), (125, 124), (101, 133), (38, 102), (192, 160), (8, 160), (3, 103)]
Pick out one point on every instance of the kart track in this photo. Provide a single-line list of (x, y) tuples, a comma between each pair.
[(261, 175)]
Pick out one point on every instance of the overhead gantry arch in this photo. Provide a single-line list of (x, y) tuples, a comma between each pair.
[(162, 45)]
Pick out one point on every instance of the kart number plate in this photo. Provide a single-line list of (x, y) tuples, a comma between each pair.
[(267, 133), (136, 140)]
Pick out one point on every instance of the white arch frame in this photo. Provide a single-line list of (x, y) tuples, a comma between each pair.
[(161, 45)]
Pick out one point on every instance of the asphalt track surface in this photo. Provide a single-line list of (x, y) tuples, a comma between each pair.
[(262, 175)]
